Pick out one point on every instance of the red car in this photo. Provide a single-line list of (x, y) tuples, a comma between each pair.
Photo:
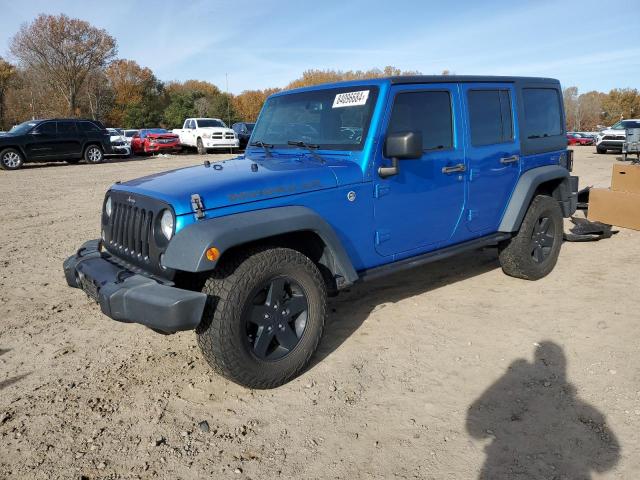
[(576, 139), (155, 140)]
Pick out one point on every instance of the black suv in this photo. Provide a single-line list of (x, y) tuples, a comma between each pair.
[(68, 140), (243, 130)]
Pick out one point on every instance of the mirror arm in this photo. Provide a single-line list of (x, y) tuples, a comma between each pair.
[(385, 172)]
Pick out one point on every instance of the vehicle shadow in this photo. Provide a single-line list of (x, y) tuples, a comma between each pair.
[(351, 308), (538, 426), (9, 381)]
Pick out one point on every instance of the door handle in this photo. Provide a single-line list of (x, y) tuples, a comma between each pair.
[(508, 160), (454, 169)]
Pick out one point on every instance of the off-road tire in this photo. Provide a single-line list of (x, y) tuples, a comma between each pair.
[(11, 159), (93, 154), (517, 254), (222, 335), (200, 147)]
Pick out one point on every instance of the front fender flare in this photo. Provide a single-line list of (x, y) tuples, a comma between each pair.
[(187, 250)]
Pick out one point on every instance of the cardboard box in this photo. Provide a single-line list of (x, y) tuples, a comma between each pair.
[(613, 207), (626, 178)]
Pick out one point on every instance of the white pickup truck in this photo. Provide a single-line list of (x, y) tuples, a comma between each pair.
[(206, 133)]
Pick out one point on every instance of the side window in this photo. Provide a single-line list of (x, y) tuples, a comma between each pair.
[(48, 128), (427, 112), (67, 128), (542, 114), (490, 117), (88, 127)]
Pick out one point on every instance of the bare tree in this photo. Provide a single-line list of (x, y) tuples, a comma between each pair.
[(65, 51)]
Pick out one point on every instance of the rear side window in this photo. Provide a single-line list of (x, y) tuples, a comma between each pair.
[(88, 127), (542, 114), (66, 128), (490, 117), (427, 112)]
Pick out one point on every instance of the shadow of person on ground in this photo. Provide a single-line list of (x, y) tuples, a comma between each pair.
[(351, 308), (539, 427)]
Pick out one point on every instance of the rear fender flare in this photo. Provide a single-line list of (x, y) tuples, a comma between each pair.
[(526, 189)]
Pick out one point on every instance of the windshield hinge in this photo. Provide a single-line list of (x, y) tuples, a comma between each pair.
[(197, 205)]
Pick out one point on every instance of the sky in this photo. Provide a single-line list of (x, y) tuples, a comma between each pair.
[(594, 45)]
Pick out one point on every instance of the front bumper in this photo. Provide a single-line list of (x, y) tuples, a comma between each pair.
[(221, 143), (130, 297), (120, 150)]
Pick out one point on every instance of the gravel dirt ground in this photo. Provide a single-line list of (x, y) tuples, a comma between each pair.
[(450, 371)]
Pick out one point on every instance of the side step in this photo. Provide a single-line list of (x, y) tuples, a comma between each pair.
[(411, 262)]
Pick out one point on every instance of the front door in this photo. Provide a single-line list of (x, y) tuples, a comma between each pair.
[(41, 141), (421, 206), (493, 153)]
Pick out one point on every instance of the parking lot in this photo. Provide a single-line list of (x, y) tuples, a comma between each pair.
[(419, 375)]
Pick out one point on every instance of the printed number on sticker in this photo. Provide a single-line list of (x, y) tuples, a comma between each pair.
[(351, 99)]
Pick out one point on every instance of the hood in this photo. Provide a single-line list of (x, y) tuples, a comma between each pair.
[(234, 182), (161, 135), (611, 131), (216, 129)]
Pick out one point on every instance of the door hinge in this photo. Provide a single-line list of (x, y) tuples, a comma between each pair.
[(471, 215), (382, 236), (471, 172), (197, 206), (381, 190)]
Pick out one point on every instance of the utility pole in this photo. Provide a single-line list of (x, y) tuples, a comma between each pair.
[(226, 76)]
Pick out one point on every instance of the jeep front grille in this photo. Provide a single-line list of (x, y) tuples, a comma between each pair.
[(131, 230)]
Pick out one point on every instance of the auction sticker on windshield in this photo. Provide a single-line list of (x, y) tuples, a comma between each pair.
[(351, 99)]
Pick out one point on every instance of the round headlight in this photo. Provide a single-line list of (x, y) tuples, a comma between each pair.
[(108, 207), (166, 224)]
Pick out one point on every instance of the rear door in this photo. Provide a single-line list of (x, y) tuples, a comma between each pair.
[(69, 143), (492, 153)]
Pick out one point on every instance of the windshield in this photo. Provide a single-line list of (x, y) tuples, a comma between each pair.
[(210, 122), (130, 133), (144, 133), (333, 119), (22, 128), (250, 126)]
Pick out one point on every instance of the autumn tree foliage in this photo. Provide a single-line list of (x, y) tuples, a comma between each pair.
[(8, 74), (64, 51)]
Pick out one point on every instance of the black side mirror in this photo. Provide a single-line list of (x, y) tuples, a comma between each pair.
[(400, 146)]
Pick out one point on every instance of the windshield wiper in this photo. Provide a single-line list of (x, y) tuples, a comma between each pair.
[(312, 147), (266, 146)]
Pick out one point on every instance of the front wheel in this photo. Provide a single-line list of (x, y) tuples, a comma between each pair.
[(264, 317), (11, 159), (533, 252), (93, 154), (601, 150), (200, 147)]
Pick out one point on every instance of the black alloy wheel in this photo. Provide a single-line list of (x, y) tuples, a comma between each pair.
[(542, 239), (276, 318)]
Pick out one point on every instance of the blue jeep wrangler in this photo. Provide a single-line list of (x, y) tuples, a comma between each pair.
[(340, 183)]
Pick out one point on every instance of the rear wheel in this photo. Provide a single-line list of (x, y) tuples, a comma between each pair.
[(533, 252), (93, 154), (11, 159), (264, 317)]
